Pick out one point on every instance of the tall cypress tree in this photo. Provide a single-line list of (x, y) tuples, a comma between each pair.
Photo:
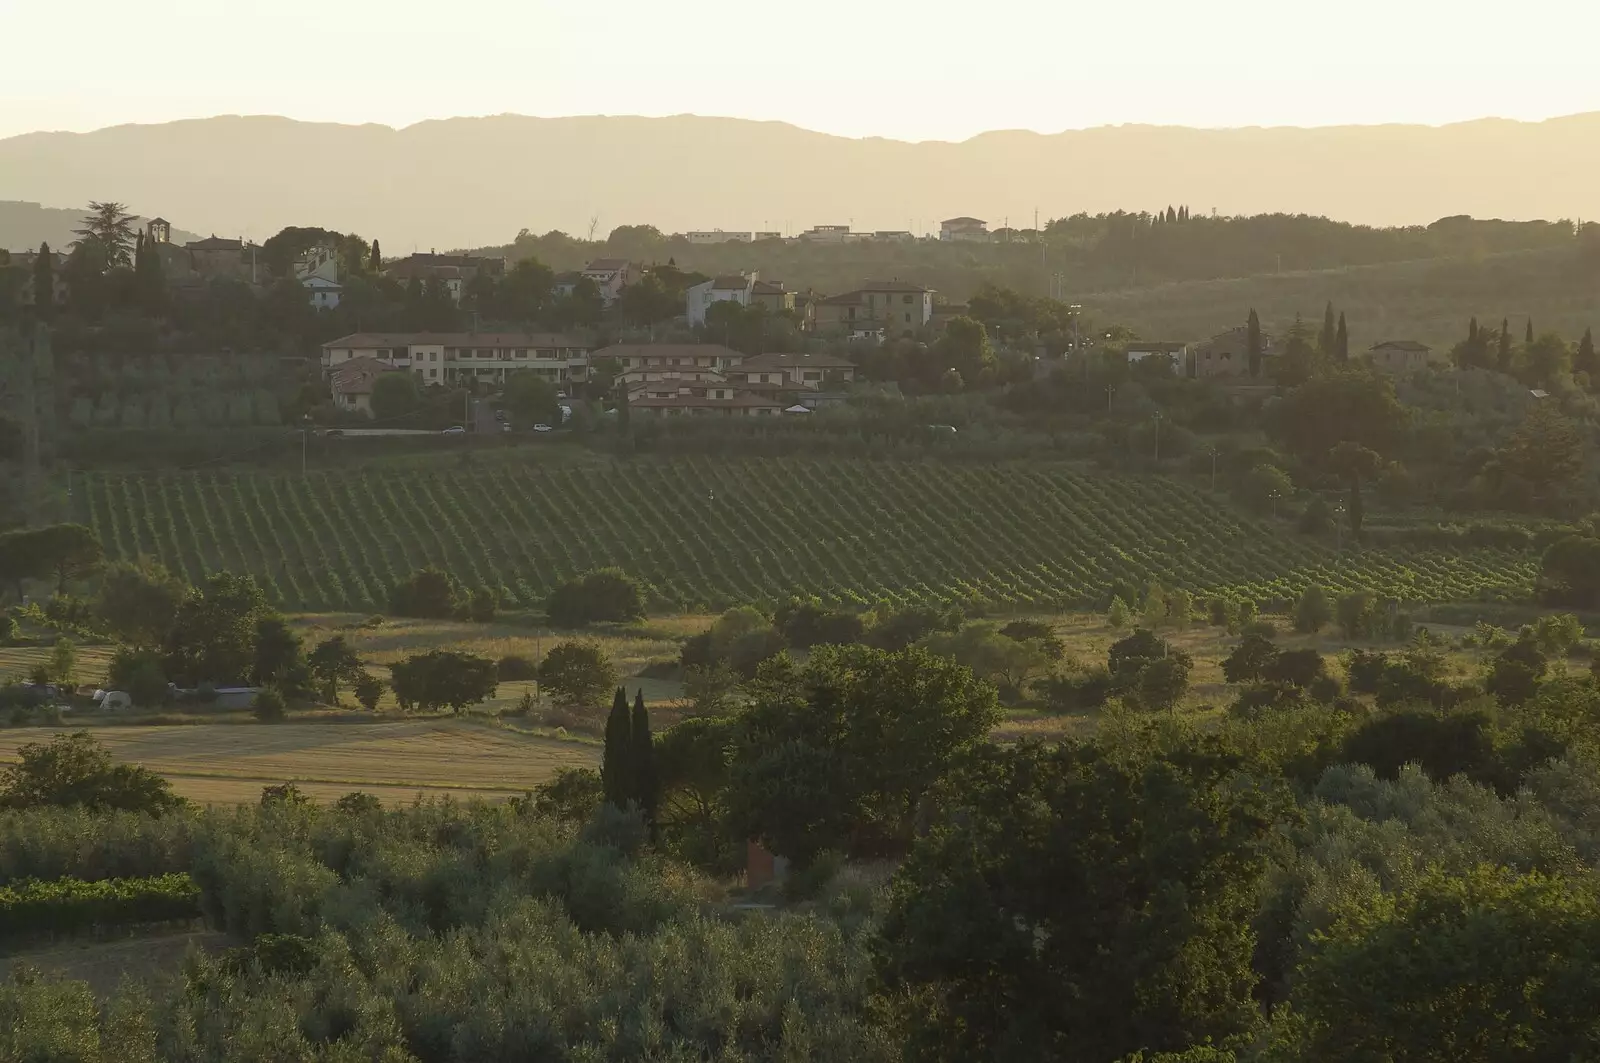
[(375, 259), (1503, 356), (1253, 343), (1472, 331), (1528, 339), (1341, 340), (1585, 359), (646, 781), (616, 762), (44, 283), (1326, 338)]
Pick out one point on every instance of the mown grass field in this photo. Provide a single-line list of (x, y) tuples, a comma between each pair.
[(229, 764), (705, 534)]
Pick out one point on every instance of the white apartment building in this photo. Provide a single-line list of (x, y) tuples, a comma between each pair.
[(719, 236), (450, 358)]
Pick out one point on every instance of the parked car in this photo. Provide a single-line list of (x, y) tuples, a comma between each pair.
[(454, 430), (543, 428), (505, 427), (334, 432)]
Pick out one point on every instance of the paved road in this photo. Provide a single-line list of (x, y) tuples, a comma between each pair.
[(483, 421)]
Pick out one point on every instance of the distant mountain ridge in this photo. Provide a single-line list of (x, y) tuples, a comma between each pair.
[(24, 226), (472, 181)]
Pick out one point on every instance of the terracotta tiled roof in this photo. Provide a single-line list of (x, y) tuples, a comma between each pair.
[(739, 402), (797, 361), (669, 350), (356, 376), (457, 339)]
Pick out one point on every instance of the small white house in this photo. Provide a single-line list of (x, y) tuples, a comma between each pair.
[(324, 293), (735, 288)]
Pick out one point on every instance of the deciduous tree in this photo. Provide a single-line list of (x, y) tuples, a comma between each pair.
[(443, 679), (577, 674), (1076, 902)]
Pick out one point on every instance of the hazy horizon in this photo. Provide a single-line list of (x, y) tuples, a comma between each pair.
[(249, 177), (916, 72)]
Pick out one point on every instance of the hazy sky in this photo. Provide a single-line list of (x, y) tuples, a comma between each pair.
[(930, 69)]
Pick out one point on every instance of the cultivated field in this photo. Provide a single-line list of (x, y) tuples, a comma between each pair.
[(18, 663), (706, 534), (227, 764)]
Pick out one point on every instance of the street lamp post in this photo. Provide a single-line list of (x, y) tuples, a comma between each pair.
[(1213, 470), (305, 431), (1111, 389), (1338, 528), (1158, 437)]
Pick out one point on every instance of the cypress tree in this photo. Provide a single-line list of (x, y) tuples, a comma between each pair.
[(1529, 338), (1172, 215), (1253, 342), (44, 283), (1585, 359), (1472, 331), (616, 768), (1341, 340), (1326, 339), (646, 782), (1503, 357), (375, 258)]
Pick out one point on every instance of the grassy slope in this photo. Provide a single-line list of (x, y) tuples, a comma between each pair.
[(710, 533), (1428, 301)]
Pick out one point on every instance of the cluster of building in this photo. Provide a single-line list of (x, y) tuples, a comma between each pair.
[(658, 378), (968, 230)]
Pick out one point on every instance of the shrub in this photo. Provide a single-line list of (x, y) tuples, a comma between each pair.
[(269, 706), (69, 906), (1313, 611), (73, 770), (369, 690), (358, 804), (429, 594), (606, 594), (1076, 691), (1298, 668), (480, 610)]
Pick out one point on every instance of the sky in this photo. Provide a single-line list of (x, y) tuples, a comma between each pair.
[(924, 70)]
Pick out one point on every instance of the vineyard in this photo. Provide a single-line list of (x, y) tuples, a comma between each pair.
[(706, 532)]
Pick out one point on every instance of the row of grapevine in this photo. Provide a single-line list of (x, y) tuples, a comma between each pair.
[(704, 532), (68, 906)]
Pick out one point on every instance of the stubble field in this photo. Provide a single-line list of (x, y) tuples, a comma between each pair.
[(229, 764)]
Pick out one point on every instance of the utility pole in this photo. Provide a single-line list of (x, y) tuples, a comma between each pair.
[(1158, 437), (305, 430), (1213, 470), (1111, 389)]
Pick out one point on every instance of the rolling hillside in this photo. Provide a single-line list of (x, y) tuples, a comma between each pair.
[(1427, 300), (709, 533)]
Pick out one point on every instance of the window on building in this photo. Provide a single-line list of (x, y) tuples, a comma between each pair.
[(906, 299)]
